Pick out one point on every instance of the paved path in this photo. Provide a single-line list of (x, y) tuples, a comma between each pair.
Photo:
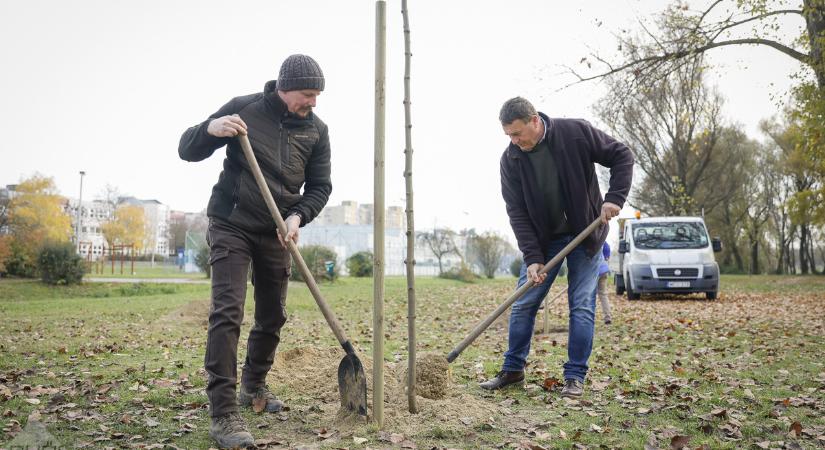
[(147, 280)]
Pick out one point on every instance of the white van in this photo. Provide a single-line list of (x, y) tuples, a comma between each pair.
[(666, 254)]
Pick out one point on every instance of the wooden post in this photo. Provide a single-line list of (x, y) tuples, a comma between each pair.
[(410, 261), (378, 213)]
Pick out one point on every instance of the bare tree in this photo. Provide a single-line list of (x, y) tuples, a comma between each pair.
[(674, 128), (680, 35), (441, 241), (488, 250)]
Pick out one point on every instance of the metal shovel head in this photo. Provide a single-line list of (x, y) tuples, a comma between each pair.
[(352, 385)]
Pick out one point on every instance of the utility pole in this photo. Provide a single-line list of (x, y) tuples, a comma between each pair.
[(80, 212)]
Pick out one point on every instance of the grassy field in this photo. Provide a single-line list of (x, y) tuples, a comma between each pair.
[(119, 366), (142, 269)]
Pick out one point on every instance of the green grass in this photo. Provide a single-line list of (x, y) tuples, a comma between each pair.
[(142, 269), (122, 363)]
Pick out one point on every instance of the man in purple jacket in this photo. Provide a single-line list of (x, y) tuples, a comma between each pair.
[(552, 193)]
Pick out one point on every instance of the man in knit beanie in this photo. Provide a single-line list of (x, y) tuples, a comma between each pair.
[(291, 145)]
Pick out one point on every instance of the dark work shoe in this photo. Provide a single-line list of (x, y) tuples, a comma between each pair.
[(229, 431), (502, 379), (247, 398), (572, 388)]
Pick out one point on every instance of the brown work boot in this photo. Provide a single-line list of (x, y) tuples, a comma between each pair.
[(229, 431), (503, 379), (572, 389), (248, 397)]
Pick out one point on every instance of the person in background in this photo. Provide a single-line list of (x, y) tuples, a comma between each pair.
[(604, 272)]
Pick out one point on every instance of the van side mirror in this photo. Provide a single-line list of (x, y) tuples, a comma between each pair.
[(623, 246), (717, 244)]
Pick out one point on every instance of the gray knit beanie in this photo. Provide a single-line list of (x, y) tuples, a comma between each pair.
[(300, 72)]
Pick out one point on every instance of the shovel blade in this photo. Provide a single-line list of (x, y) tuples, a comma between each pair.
[(352, 385)]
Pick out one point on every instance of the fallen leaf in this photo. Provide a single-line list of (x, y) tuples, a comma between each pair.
[(258, 404), (679, 441), (550, 384), (796, 429)]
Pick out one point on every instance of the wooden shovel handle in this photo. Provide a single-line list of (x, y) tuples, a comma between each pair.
[(484, 324), (293, 248)]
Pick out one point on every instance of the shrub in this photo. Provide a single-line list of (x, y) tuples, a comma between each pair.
[(202, 261), (5, 252), (20, 263), (316, 258), (461, 273), (515, 267), (60, 264), (360, 264)]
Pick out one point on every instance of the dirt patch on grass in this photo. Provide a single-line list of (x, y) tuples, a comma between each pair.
[(193, 313), (309, 375)]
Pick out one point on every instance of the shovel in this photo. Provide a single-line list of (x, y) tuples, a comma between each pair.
[(520, 291), (352, 383)]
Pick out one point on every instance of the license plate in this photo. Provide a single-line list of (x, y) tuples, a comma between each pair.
[(678, 284)]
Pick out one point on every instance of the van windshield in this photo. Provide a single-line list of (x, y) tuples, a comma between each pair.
[(650, 235)]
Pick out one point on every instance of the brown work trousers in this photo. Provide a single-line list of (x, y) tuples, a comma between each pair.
[(231, 251)]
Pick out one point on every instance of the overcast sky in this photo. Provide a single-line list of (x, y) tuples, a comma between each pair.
[(108, 87)]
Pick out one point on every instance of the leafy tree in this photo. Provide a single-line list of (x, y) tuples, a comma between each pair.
[(441, 242), (35, 216), (127, 227), (488, 250), (360, 264), (804, 206)]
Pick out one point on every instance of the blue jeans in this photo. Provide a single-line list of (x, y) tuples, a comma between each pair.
[(582, 276)]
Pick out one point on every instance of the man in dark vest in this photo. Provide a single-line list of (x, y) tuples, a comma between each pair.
[(552, 193), (291, 145)]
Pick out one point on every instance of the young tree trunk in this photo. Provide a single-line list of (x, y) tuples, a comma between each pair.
[(410, 261), (754, 257), (803, 249), (378, 222), (814, 12)]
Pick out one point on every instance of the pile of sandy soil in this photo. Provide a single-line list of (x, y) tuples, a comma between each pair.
[(312, 373)]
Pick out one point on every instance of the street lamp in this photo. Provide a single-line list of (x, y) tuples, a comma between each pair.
[(80, 211)]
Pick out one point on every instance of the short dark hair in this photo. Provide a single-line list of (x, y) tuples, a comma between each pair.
[(516, 108)]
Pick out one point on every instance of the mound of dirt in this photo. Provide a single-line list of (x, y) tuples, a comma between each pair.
[(310, 374), (432, 376)]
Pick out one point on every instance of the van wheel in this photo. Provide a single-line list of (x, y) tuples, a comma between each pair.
[(619, 280), (632, 295), (711, 295)]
